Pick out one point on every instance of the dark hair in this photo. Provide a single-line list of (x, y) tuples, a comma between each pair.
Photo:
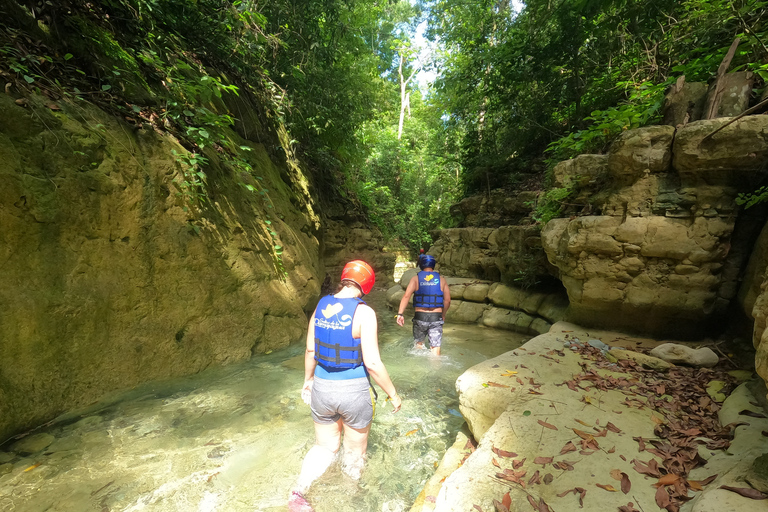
[(348, 282)]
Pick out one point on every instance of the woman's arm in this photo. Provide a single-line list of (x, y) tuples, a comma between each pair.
[(365, 323), (309, 360)]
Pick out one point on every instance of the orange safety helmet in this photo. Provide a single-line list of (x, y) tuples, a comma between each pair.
[(361, 273)]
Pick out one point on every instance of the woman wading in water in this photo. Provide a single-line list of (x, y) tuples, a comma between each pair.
[(342, 352)]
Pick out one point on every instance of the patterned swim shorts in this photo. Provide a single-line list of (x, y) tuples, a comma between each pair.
[(429, 325)]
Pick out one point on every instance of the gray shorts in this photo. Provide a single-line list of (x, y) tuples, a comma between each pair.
[(351, 400), (428, 325)]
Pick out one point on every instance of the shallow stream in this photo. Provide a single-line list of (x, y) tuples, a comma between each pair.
[(232, 439)]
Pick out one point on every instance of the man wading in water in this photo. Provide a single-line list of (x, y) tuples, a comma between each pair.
[(431, 300), (342, 351)]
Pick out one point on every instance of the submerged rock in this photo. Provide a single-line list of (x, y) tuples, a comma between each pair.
[(33, 444)]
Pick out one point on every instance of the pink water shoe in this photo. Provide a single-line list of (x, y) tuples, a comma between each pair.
[(297, 503)]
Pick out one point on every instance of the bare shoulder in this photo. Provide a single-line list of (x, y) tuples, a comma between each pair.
[(365, 312)]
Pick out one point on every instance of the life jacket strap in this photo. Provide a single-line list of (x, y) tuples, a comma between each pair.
[(337, 348)]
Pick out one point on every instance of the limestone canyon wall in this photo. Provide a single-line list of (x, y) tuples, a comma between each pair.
[(114, 273)]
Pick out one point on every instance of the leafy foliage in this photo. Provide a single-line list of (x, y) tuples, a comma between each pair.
[(568, 76)]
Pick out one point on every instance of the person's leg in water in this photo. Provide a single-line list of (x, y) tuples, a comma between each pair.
[(419, 333), (435, 337), (317, 461), (355, 447)]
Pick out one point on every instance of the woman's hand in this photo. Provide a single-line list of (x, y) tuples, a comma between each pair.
[(397, 402), (306, 391)]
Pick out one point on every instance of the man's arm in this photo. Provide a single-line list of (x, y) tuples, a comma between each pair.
[(446, 297), (412, 285)]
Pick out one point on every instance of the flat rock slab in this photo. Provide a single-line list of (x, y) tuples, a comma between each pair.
[(544, 436)]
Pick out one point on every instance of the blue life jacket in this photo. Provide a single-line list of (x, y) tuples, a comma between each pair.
[(335, 347), (429, 294)]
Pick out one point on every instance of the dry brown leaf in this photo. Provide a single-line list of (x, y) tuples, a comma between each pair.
[(517, 463), (499, 506), (532, 502), (613, 428), (626, 485), (569, 447), (616, 474), (747, 492), (669, 479), (542, 460), (607, 487), (495, 463), (502, 453), (547, 425), (582, 422), (506, 500), (662, 497)]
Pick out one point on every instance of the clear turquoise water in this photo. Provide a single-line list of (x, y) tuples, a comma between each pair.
[(232, 439)]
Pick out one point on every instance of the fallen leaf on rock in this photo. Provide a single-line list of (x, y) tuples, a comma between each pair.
[(607, 487), (506, 500), (33, 466), (500, 506), (662, 497), (547, 425), (747, 492), (569, 447), (543, 507), (517, 463), (586, 452), (502, 453), (532, 502), (613, 428), (495, 463), (613, 449), (542, 460), (535, 479), (651, 468), (411, 432), (495, 384), (508, 373), (629, 507), (626, 485), (582, 422), (616, 474), (564, 465), (477, 507), (669, 479)]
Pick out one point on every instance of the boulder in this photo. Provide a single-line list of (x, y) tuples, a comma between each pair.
[(505, 319), (477, 292), (465, 312), (682, 354), (646, 361), (582, 171), (684, 103), (637, 151), (740, 146)]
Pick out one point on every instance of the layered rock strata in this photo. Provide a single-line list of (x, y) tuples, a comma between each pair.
[(494, 304), (658, 259)]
